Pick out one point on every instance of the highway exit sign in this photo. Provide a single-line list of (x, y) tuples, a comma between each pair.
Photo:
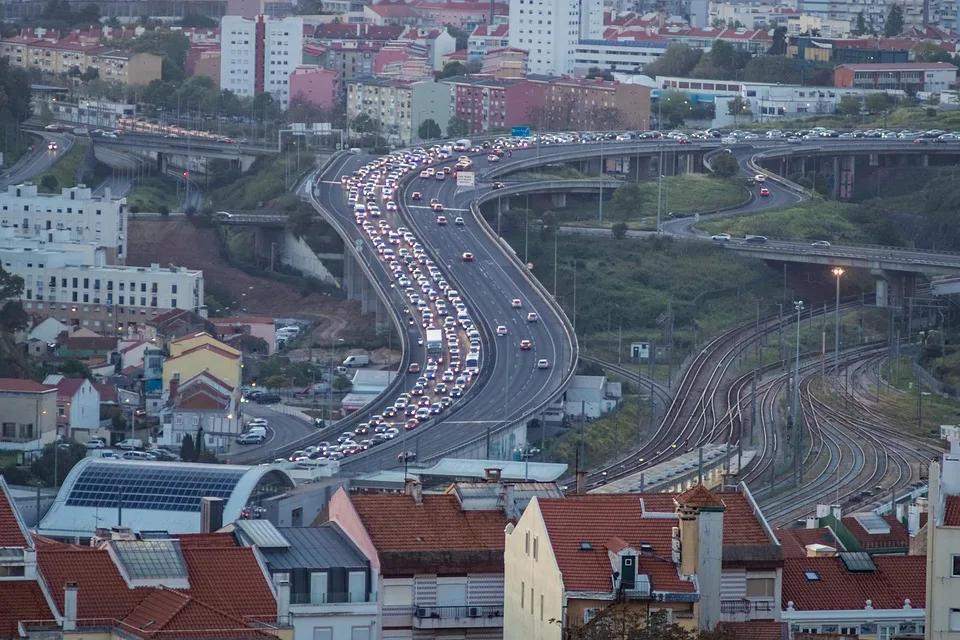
[(520, 132)]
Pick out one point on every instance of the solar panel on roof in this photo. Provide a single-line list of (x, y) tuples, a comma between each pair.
[(872, 523), (143, 486), (150, 559), (857, 562)]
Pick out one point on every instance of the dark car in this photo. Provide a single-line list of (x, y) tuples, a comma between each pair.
[(753, 240), (268, 398)]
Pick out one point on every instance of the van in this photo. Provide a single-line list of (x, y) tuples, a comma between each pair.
[(359, 208), (130, 444), (760, 178), (356, 361), (356, 151)]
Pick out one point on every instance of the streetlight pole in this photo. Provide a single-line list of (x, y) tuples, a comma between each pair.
[(837, 271), (798, 305)]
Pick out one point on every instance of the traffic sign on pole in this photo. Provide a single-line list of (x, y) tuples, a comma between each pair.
[(520, 132)]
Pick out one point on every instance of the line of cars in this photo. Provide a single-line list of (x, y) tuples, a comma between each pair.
[(754, 239)]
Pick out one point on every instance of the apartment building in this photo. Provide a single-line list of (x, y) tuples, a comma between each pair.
[(462, 15), (28, 414), (97, 220), (551, 30), (942, 618), (399, 106), (197, 353), (907, 76), (583, 104), (485, 38), (70, 54), (314, 85), (258, 55), (487, 104)]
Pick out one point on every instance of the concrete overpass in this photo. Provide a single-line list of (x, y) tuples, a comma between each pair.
[(187, 147)]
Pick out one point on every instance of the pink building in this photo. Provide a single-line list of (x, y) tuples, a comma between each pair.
[(488, 104), (251, 325), (313, 84), (463, 15), (204, 60)]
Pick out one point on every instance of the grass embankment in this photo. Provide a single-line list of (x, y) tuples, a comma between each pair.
[(65, 168), (549, 172), (638, 209), (263, 185), (14, 143), (902, 407), (631, 284), (814, 220), (914, 118), (154, 194)]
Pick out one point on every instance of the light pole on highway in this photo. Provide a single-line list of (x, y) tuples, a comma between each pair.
[(798, 305), (837, 271)]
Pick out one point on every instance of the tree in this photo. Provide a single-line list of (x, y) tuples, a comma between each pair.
[(197, 21), (876, 102), (450, 69), (928, 51), (677, 60), (90, 14), (68, 452), (46, 115), (199, 444), (363, 124), (597, 72), (12, 316), (860, 28), (772, 69), (738, 107), (850, 105), (188, 451), (779, 46), (457, 127), (725, 166), (429, 130), (894, 24), (619, 230), (628, 201), (49, 183), (461, 36), (673, 106), (342, 384)]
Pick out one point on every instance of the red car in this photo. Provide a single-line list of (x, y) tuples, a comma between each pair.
[(414, 368), (764, 192), (416, 196), (525, 345)]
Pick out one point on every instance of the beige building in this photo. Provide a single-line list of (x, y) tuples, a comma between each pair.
[(127, 67), (943, 543), (28, 414), (398, 107), (570, 559), (63, 56)]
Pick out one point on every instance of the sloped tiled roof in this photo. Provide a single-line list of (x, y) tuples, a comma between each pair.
[(21, 600), (899, 536), (24, 386), (12, 531), (951, 514), (756, 630), (206, 347), (397, 523), (108, 391), (896, 579), (794, 541), (67, 387), (699, 496)]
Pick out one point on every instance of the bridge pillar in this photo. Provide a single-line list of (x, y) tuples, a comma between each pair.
[(368, 297), (844, 181), (641, 168), (881, 290), (161, 162), (558, 200), (246, 162), (669, 167), (503, 204), (352, 277), (925, 160)]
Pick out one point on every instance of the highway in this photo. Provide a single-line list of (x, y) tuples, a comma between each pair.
[(39, 160)]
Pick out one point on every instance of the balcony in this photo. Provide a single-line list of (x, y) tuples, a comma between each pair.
[(306, 603), (743, 609), (458, 617)]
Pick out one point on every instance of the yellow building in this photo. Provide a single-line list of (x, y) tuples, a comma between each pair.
[(199, 352), (567, 560), (62, 56)]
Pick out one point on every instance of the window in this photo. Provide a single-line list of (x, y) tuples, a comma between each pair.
[(954, 619), (26, 431), (360, 633), (357, 585), (523, 591), (323, 633), (526, 544), (531, 600), (536, 544), (956, 565), (760, 587), (8, 430), (318, 587), (588, 615), (541, 607)]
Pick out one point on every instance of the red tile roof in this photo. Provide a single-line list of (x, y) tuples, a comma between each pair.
[(951, 514), (393, 10), (896, 579), (12, 532), (899, 536), (228, 591), (206, 540), (68, 387), (756, 630), (21, 600), (499, 31), (794, 541), (108, 392), (24, 386), (363, 30), (397, 523), (699, 496), (206, 347)]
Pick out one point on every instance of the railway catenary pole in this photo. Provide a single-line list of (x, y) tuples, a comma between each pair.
[(837, 271), (798, 305)]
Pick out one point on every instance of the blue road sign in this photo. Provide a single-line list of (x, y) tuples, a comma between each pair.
[(520, 132)]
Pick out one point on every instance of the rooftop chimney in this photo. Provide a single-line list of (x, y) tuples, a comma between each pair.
[(413, 488), (70, 606), (581, 486), (510, 502), (283, 602), (491, 474), (211, 514), (913, 519)]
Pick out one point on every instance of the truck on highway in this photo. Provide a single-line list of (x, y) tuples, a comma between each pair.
[(434, 341), (462, 145)]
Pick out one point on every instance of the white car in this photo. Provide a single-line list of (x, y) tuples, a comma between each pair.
[(721, 237), (532, 317), (516, 303), (501, 330), (543, 364), (96, 443)]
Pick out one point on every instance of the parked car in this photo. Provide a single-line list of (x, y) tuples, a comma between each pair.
[(130, 444), (269, 398), (96, 443)]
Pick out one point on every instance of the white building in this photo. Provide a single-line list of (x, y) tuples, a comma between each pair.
[(551, 30), (619, 56), (202, 402), (943, 543), (70, 281), (100, 221), (245, 43)]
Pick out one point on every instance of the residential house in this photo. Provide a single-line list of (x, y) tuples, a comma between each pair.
[(390, 14), (440, 557), (77, 348), (203, 59), (175, 323), (193, 354), (585, 103), (333, 585), (701, 557), (47, 330), (439, 43), (462, 15), (263, 328), (486, 37), (132, 352), (399, 106), (78, 406), (314, 85), (855, 594), (127, 67), (135, 586), (591, 396), (505, 64), (201, 403), (942, 620), (28, 414)]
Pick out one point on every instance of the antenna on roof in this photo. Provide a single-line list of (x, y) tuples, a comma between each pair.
[(119, 506)]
